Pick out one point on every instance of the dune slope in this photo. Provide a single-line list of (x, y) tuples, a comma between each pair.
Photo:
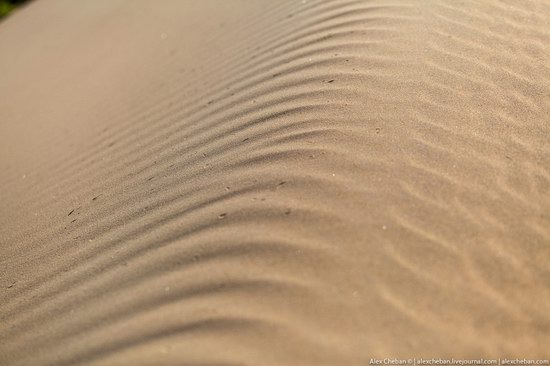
[(274, 182)]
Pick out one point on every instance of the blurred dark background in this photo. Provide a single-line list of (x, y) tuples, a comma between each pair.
[(7, 6)]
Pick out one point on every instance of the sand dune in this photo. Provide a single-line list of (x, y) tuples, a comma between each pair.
[(274, 182)]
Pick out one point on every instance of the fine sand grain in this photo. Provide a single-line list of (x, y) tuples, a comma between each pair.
[(265, 182)]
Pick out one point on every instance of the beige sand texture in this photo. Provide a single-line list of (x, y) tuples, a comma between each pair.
[(267, 182)]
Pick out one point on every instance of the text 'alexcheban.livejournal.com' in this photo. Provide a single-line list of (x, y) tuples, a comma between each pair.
[(453, 361)]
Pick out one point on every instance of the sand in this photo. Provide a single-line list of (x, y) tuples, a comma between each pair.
[(266, 182)]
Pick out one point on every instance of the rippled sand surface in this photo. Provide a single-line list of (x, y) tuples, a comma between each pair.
[(274, 182)]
